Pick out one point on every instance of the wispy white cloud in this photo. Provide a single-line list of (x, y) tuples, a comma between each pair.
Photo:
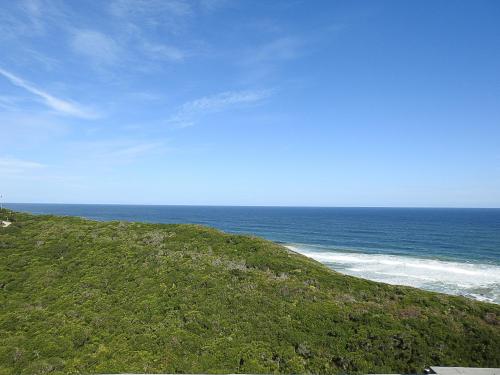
[(30, 56), (96, 46), (133, 150), (33, 10), (192, 110), (224, 99), (59, 105), (20, 21), (116, 151), (28, 18), (169, 15), (138, 17)]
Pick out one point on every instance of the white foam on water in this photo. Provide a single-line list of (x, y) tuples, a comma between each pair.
[(478, 281)]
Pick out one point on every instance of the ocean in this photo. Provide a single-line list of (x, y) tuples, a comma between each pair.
[(454, 251)]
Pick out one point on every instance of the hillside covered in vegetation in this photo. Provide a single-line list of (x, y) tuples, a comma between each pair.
[(79, 296)]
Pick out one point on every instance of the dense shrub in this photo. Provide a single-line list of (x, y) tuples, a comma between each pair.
[(78, 296)]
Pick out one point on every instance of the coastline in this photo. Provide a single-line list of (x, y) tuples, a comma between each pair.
[(446, 251), (476, 281), (172, 290)]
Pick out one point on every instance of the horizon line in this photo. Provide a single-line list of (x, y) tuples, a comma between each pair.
[(250, 206)]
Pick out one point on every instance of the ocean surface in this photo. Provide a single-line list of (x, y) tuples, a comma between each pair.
[(455, 251)]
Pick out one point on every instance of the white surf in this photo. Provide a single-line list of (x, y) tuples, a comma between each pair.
[(478, 281)]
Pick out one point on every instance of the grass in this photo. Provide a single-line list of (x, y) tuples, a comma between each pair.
[(79, 296)]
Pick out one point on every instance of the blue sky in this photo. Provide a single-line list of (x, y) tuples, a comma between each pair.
[(314, 103)]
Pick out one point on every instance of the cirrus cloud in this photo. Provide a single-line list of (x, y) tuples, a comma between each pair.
[(190, 111), (96, 46), (59, 105)]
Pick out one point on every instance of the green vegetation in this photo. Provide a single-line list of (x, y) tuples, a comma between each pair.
[(78, 296)]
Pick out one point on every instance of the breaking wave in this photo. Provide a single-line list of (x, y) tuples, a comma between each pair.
[(473, 280)]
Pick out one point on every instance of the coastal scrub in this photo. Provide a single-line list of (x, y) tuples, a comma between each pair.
[(80, 296)]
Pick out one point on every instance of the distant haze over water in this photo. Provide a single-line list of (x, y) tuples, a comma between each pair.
[(455, 251)]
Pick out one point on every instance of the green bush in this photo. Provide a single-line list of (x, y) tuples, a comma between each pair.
[(79, 296)]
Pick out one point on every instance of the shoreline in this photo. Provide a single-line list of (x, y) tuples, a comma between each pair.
[(450, 277), (477, 281)]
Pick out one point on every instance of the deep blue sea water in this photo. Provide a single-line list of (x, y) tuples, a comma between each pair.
[(455, 251)]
